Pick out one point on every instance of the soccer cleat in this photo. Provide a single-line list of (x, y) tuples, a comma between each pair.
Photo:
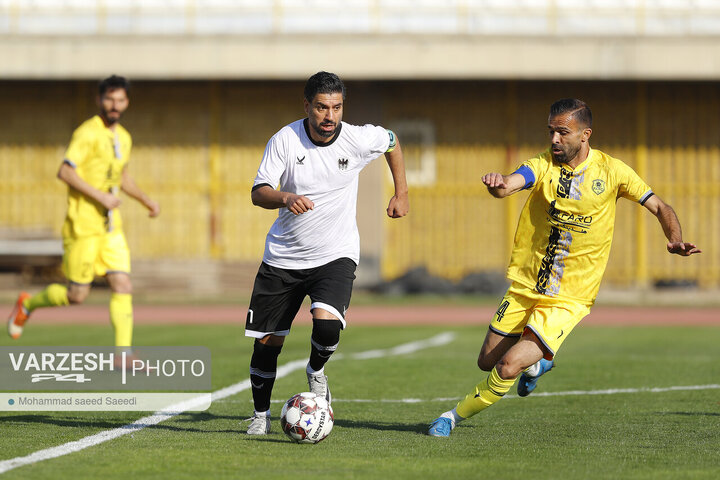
[(318, 384), (18, 317), (258, 425), (527, 383), (441, 427)]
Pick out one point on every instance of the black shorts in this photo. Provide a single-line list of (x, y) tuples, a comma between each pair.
[(278, 294)]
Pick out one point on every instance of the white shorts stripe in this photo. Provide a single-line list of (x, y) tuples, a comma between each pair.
[(331, 309)]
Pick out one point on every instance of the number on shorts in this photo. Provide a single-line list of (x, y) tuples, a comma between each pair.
[(501, 311)]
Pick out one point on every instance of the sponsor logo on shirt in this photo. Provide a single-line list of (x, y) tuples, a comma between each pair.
[(576, 223)]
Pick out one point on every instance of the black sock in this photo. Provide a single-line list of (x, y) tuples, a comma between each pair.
[(323, 342), (263, 368)]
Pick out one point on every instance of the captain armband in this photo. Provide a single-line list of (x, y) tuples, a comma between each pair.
[(393, 141), (528, 175)]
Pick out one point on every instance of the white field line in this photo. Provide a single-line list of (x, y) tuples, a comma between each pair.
[(178, 408), (612, 391)]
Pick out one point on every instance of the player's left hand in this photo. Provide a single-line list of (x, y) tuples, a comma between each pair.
[(684, 249), (399, 206), (154, 209)]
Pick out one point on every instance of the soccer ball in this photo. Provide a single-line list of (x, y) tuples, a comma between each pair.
[(307, 418)]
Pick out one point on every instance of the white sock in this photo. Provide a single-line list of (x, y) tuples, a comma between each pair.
[(453, 416), (262, 414), (456, 416), (533, 370), (310, 371)]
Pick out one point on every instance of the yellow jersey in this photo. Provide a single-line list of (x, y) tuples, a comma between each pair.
[(99, 156), (565, 230)]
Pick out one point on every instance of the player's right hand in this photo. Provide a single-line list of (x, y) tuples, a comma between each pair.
[(684, 249), (109, 201), (494, 180), (298, 204), (153, 208)]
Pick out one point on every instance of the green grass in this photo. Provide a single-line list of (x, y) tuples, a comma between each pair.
[(646, 435)]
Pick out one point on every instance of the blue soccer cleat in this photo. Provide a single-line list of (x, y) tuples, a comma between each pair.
[(527, 383), (441, 427)]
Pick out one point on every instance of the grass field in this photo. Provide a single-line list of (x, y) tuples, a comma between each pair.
[(383, 405)]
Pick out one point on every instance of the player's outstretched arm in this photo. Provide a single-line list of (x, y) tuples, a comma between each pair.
[(68, 175), (129, 186), (501, 186), (399, 205), (267, 197), (671, 227)]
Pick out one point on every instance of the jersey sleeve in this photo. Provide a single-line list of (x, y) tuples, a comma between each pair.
[(532, 169), (630, 185), (272, 165), (376, 141), (79, 149)]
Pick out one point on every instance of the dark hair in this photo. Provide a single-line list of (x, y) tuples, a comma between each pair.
[(112, 82), (577, 108), (323, 82)]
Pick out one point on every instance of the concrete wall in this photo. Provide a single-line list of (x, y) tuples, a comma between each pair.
[(361, 39)]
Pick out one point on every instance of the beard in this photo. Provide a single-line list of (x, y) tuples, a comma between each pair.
[(323, 133), (111, 120), (567, 153)]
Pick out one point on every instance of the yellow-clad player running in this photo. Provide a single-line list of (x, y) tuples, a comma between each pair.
[(561, 248), (93, 239)]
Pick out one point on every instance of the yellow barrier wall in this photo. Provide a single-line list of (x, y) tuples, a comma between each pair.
[(197, 146), (669, 132)]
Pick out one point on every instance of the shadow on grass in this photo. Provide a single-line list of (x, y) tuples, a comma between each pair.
[(59, 421), (200, 418), (194, 422), (691, 414), (384, 426)]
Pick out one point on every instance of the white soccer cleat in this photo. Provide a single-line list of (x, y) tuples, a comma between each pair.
[(318, 384), (258, 425)]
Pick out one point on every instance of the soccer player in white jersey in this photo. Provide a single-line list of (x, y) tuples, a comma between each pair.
[(562, 245), (313, 247)]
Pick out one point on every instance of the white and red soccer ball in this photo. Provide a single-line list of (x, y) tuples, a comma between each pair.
[(307, 418)]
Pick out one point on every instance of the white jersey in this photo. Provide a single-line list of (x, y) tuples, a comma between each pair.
[(327, 174)]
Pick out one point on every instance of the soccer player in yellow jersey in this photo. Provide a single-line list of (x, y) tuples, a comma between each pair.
[(560, 252), (93, 239)]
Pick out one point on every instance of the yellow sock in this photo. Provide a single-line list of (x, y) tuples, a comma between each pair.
[(487, 392), (121, 316), (54, 295)]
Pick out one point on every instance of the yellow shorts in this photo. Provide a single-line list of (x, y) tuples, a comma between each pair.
[(523, 309), (99, 255)]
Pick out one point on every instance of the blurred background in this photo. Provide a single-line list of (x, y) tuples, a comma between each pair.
[(466, 85)]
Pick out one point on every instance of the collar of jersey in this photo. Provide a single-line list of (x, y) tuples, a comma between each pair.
[(319, 144), (98, 119), (580, 168)]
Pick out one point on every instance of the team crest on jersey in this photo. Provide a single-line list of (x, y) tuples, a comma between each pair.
[(300, 160), (342, 163), (598, 186)]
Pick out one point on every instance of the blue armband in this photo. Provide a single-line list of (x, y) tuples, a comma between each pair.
[(528, 175)]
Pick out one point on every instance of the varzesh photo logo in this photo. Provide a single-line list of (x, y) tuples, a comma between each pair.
[(172, 372)]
